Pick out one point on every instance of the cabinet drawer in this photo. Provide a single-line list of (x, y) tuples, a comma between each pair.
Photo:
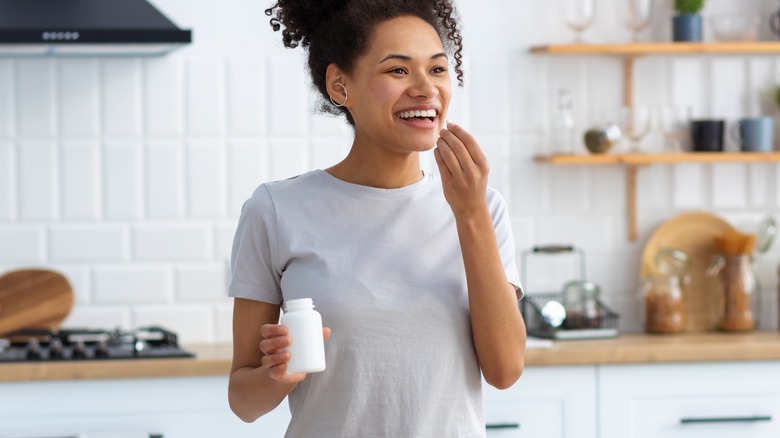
[(524, 419), (711, 417)]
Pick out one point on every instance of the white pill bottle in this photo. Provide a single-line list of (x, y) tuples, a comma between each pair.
[(304, 327)]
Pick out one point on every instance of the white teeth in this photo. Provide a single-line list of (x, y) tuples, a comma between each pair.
[(410, 114)]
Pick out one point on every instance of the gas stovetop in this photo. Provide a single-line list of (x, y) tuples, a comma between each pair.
[(31, 345)]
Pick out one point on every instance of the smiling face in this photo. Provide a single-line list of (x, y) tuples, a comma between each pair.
[(400, 89)]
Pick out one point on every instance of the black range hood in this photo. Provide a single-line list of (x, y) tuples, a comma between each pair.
[(86, 27)]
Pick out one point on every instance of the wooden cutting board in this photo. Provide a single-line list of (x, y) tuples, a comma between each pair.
[(34, 298)]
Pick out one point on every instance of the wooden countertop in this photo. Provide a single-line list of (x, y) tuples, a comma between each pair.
[(214, 360)]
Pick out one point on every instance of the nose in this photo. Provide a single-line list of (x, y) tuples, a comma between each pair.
[(423, 86)]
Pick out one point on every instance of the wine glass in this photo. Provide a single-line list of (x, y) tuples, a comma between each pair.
[(638, 14), (578, 15), (635, 122), (675, 120)]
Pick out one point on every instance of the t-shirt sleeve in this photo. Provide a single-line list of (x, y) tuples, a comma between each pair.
[(254, 258), (506, 241)]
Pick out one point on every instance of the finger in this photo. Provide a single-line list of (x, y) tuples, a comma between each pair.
[(448, 155), (458, 149), (469, 142), (272, 360), (443, 169), (269, 346), (325, 333), (272, 330)]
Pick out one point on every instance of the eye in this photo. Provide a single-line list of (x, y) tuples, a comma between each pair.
[(438, 70), (398, 70)]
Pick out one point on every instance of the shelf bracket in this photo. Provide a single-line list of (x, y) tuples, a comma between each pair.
[(631, 201), (628, 81)]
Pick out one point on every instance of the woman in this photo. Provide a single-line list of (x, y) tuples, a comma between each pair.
[(413, 273)]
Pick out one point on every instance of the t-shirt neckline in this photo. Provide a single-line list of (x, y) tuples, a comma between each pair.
[(376, 191)]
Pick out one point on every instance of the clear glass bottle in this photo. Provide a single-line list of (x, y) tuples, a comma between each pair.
[(562, 124), (663, 304), (304, 327)]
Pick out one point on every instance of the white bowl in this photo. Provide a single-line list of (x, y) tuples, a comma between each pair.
[(735, 27)]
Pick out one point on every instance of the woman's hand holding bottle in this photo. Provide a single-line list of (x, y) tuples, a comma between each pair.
[(275, 355)]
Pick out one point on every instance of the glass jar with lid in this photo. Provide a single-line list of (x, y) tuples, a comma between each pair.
[(663, 304), (581, 301)]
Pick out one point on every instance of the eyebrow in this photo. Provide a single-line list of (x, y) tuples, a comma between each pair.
[(409, 58)]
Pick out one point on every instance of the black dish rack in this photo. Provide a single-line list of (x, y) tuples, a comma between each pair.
[(574, 326)]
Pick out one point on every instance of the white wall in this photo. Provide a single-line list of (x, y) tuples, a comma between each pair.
[(128, 174)]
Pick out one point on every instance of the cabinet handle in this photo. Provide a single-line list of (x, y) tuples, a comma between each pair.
[(748, 419), (503, 426), (553, 249)]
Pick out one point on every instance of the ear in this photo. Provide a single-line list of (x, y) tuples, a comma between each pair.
[(333, 77)]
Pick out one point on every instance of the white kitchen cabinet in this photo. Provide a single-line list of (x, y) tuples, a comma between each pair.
[(712, 400), (549, 402), (173, 407)]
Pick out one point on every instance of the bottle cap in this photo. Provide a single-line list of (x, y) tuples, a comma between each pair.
[(299, 304)]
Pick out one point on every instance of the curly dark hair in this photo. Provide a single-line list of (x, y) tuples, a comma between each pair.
[(339, 31)]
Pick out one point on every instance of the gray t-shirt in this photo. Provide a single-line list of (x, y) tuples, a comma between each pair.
[(385, 270)]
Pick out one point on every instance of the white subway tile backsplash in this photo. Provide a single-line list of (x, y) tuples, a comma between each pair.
[(246, 97), (206, 194), (729, 185), (327, 151), (223, 323), (164, 190), (205, 97), (121, 97), (132, 284), (223, 238), (79, 97), (38, 178), (122, 183), (8, 179), (7, 101), (98, 317), (247, 169), (287, 158), (193, 323), (728, 90), (169, 242), (80, 184), (761, 183), (93, 243), (78, 276), (491, 85), (591, 233), (163, 97), (288, 87), (22, 244), (608, 189), (689, 190), (689, 85), (129, 174), (201, 282), (35, 98)]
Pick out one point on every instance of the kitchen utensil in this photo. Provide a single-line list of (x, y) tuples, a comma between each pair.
[(578, 15), (600, 139), (34, 298), (767, 231), (638, 14), (554, 313), (693, 234), (582, 314), (735, 27)]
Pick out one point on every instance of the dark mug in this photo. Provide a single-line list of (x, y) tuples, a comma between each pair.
[(707, 135)]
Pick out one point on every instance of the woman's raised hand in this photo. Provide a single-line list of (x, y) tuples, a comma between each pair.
[(275, 354), (464, 170)]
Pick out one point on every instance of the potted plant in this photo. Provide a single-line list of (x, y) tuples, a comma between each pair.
[(687, 24)]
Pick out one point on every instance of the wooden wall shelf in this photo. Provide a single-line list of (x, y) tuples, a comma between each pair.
[(660, 48), (647, 159), (629, 52)]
